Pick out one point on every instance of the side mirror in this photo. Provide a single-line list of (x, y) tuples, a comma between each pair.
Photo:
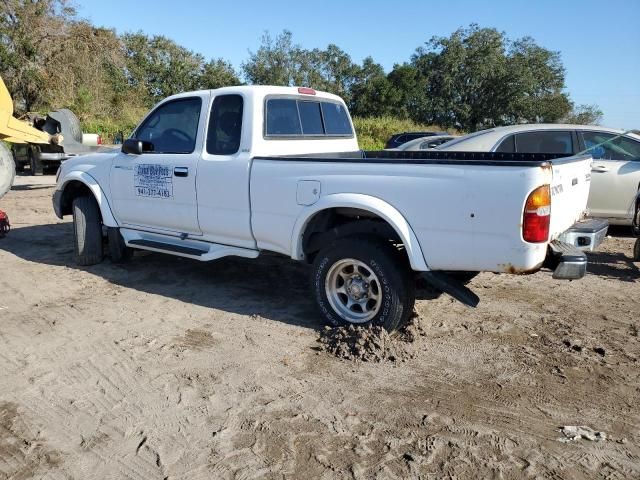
[(132, 146)]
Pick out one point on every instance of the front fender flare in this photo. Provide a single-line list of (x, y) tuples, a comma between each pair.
[(105, 209), (362, 202)]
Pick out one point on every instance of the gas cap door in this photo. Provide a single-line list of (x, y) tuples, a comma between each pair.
[(308, 192)]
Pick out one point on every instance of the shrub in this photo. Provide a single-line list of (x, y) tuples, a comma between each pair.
[(373, 132)]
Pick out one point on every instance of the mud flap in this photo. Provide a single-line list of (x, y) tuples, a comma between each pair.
[(451, 286)]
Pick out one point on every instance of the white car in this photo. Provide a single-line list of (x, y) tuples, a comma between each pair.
[(615, 178), (242, 170), (424, 143)]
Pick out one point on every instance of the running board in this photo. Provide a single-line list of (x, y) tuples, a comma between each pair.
[(168, 247), (187, 247)]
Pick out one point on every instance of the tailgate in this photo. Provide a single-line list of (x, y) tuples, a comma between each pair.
[(569, 192)]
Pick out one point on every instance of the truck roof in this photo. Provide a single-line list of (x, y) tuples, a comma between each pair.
[(261, 91)]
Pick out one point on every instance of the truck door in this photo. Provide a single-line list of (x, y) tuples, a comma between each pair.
[(223, 173), (615, 174), (157, 189)]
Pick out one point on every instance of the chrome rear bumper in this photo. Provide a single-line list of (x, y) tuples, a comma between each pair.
[(567, 261), (586, 235)]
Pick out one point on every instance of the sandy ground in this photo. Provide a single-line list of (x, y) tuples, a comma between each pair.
[(173, 369)]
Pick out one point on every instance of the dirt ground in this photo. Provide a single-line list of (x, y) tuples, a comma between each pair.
[(172, 369)]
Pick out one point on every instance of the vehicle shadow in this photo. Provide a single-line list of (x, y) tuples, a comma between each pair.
[(272, 286), (21, 188), (613, 265)]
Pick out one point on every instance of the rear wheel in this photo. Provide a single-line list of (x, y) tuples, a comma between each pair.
[(361, 281), (636, 250), (19, 164), (35, 164), (87, 226)]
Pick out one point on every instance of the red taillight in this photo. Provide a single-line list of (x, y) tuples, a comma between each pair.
[(537, 216), (99, 139), (306, 91)]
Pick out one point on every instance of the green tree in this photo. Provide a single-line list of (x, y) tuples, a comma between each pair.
[(584, 115), (478, 78), (30, 34), (161, 67)]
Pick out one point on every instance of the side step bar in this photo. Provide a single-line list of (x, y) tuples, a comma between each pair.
[(168, 247)]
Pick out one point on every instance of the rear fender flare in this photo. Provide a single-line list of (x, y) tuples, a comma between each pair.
[(363, 202)]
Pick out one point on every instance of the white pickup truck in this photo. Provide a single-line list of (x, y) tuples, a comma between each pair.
[(240, 170)]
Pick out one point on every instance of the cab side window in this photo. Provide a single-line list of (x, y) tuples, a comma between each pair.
[(544, 142), (225, 125), (173, 126), (605, 146)]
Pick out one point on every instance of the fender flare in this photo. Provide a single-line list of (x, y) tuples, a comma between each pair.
[(362, 202), (105, 209)]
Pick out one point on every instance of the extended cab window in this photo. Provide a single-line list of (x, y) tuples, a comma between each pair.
[(604, 146), (225, 125), (288, 117), (172, 127), (544, 142)]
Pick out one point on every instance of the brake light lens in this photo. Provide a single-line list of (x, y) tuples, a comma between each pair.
[(537, 216), (306, 91), (99, 139)]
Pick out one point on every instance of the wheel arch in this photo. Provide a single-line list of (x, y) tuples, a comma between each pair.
[(373, 206), (81, 183)]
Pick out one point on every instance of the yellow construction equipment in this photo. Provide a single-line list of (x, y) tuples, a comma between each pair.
[(14, 130)]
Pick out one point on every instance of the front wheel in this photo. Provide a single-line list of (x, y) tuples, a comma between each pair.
[(361, 281), (87, 227)]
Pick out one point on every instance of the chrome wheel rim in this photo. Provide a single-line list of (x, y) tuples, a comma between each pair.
[(353, 290)]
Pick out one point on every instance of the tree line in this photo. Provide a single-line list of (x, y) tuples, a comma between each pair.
[(475, 78)]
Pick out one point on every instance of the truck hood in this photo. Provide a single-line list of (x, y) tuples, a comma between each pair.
[(85, 162)]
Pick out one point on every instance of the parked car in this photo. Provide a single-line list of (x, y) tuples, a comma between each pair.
[(424, 143), (636, 227), (615, 175), (243, 170), (47, 157), (399, 138)]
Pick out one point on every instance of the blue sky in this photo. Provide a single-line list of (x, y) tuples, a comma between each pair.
[(599, 41)]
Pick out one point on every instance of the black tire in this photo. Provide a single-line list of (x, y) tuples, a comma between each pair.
[(7, 170), (636, 250), (87, 227), (69, 123), (118, 250), (35, 164), (397, 290), (19, 164)]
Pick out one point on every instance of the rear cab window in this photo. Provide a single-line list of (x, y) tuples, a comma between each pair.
[(303, 118), (545, 142)]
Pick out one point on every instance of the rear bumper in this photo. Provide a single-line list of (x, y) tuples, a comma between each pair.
[(52, 157), (586, 235), (567, 261)]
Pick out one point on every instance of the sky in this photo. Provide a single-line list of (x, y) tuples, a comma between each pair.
[(599, 41)]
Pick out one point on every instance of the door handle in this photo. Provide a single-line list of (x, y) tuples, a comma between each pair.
[(600, 168), (181, 171)]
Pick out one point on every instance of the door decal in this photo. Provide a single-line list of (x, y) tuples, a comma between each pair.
[(154, 181)]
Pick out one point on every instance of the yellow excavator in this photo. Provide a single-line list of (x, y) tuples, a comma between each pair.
[(14, 131)]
